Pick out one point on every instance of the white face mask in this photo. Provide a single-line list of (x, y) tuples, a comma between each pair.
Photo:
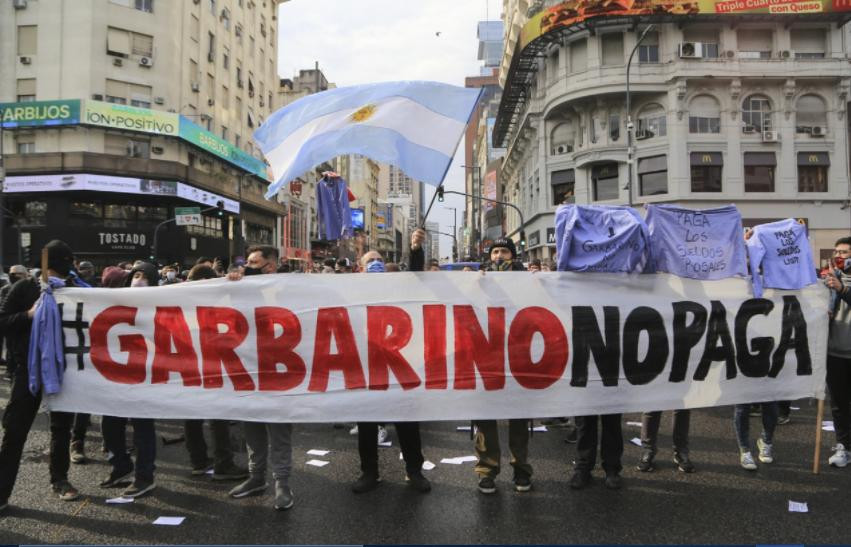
[(141, 282), (170, 275)]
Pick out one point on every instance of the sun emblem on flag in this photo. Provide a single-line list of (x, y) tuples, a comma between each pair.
[(364, 113)]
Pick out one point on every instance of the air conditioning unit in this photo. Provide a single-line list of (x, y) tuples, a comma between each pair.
[(146, 61), (26, 60), (819, 131), (19, 4), (691, 50), (729, 54), (118, 62), (562, 149), (770, 136), (196, 88), (159, 100), (748, 129), (785, 54), (642, 134), (157, 150), (211, 102)]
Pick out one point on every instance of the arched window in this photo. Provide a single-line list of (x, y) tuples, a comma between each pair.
[(704, 115), (563, 138), (756, 112), (651, 122), (810, 112)]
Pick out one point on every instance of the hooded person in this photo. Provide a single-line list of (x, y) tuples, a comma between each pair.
[(143, 274)]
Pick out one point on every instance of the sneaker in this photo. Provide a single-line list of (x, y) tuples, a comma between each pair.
[(365, 483), (645, 464), (254, 484), (118, 477), (382, 434), (65, 490), (78, 452), (840, 456), (354, 430), (571, 436), (522, 484), (283, 496), (138, 488), (232, 472), (201, 470), (418, 482), (613, 481), (766, 451), (746, 461), (683, 462), (784, 419), (580, 480), (487, 485)]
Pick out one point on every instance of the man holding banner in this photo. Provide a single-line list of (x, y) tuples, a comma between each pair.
[(839, 350)]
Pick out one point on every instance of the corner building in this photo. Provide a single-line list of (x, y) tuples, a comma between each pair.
[(748, 108)]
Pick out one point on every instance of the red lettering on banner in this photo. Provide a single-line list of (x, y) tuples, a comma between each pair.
[(383, 347), (434, 346), (170, 325), (133, 372), (217, 348), (475, 351), (272, 350), (551, 366), (335, 322)]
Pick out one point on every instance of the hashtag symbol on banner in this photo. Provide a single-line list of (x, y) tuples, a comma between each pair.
[(79, 327)]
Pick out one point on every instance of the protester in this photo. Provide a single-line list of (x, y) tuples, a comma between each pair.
[(169, 275), (535, 265), (16, 319), (839, 350), (265, 439), (16, 273), (392, 267), (765, 444), (650, 433), (87, 273), (344, 265), (434, 265)]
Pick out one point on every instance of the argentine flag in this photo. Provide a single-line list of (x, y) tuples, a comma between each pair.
[(415, 126)]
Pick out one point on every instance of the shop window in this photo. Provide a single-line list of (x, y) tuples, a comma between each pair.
[(704, 115), (756, 113), (84, 213), (759, 171), (810, 113), (30, 213), (119, 215), (258, 234), (605, 182), (812, 171), (152, 213), (706, 170), (653, 175)]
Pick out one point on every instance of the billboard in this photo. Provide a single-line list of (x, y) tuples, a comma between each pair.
[(575, 11), (357, 219), (40, 113), (131, 118), (195, 134), (489, 190)]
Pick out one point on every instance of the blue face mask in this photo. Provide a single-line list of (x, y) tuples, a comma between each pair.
[(376, 266)]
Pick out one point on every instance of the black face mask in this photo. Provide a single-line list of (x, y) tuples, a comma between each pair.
[(248, 270), (13, 279)]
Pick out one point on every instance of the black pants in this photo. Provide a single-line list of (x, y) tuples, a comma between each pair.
[(144, 439), (17, 421), (611, 443), (650, 430), (81, 426), (409, 441), (197, 446), (839, 385)]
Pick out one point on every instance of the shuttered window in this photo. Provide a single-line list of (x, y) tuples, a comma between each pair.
[(612, 46), (808, 43), (27, 40), (578, 56), (118, 41), (143, 45), (26, 86)]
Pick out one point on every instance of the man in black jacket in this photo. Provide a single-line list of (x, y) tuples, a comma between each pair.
[(16, 313)]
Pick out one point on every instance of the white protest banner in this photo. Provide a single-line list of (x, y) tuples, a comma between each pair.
[(437, 346)]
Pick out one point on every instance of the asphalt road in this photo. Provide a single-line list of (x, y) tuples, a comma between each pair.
[(721, 503)]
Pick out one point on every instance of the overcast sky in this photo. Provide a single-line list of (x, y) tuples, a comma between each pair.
[(361, 41)]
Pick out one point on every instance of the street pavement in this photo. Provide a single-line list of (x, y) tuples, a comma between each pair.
[(720, 503)]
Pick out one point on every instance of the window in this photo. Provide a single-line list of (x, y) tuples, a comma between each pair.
[(612, 49), (25, 143), (706, 170), (141, 103), (759, 171), (604, 180), (211, 52), (704, 115), (224, 133), (236, 140), (226, 58), (648, 51), (119, 92), (653, 175), (26, 90), (578, 56), (115, 100), (118, 42), (258, 234), (87, 209), (652, 122), (27, 40), (213, 7), (754, 43), (145, 5), (562, 183), (29, 213), (211, 86), (194, 28), (212, 227), (812, 171), (225, 97), (119, 216), (808, 43), (708, 38), (146, 212), (143, 44), (810, 112), (251, 46), (614, 127), (226, 18), (756, 113), (238, 107)]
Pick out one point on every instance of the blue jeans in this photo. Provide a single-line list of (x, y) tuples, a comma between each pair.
[(741, 423)]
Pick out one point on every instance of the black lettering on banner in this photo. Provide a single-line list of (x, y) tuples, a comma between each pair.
[(643, 372), (753, 365), (717, 331), (686, 336), (793, 334), (79, 326), (588, 340)]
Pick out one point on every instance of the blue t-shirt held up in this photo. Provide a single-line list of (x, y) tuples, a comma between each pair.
[(699, 244), (601, 238), (782, 249)]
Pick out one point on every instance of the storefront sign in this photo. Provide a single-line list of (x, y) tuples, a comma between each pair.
[(40, 113), (551, 236), (120, 241), (205, 140), (535, 238), (131, 118)]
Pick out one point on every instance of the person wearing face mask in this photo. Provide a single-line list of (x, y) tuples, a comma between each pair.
[(839, 350), (114, 428), (407, 432), (170, 275), (266, 441)]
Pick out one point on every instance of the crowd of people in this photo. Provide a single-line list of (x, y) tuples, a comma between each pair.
[(269, 445)]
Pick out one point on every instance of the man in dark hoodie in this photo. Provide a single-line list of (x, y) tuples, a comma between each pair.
[(114, 428), (16, 316)]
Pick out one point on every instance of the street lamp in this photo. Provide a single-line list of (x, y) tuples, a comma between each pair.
[(454, 231), (629, 126), (477, 224)]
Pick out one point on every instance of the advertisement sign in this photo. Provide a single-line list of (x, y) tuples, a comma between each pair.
[(131, 118), (121, 185), (188, 216), (380, 220), (357, 219), (205, 140), (119, 241), (575, 11), (489, 191), (40, 113), (535, 239), (551, 237)]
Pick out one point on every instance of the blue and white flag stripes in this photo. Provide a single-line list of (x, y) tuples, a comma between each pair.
[(415, 126)]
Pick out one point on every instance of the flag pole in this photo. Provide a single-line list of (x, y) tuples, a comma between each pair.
[(817, 455), (425, 216)]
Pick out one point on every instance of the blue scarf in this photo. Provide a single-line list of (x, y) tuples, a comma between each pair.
[(46, 356)]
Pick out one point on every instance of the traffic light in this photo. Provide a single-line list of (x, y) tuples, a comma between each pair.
[(522, 240), (221, 206), (440, 193)]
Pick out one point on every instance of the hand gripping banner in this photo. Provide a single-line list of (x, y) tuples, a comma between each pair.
[(436, 346)]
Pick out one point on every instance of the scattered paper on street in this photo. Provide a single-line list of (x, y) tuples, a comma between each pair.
[(120, 500), (386, 444), (169, 521), (827, 425), (317, 463), (634, 424), (428, 466), (798, 507), (636, 441), (541, 428), (462, 428), (317, 452)]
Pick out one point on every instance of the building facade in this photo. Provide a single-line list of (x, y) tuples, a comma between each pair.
[(750, 111), (137, 107)]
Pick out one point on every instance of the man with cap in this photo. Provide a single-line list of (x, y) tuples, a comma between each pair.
[(502, 258), (16, 318)]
